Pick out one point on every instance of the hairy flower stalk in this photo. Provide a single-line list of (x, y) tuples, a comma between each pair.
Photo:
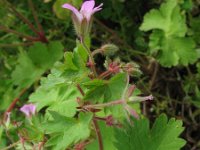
[(83, 19), (28, 110)]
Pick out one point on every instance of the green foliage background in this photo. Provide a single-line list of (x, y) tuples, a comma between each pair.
[(162, 37)]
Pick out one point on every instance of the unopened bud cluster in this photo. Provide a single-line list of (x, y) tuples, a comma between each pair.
[(109, 49)]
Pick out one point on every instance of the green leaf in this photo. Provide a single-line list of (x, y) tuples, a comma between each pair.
[(34, 129), (69, 61), (74, 68), (31, 65), (61, 98), (173, 51), (168, 19), (188, 5), (25, 72), (100, 90), (164, 135), (53, 140), (116, 86), (168, 39), (56, 93), (71, 130), (195, 29), (94, 83), (65, 108), (58, 124), (45, 56)]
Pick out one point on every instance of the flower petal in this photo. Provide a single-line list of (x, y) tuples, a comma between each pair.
[(28, 109), (87, 6), (98, 8), (74, 10)]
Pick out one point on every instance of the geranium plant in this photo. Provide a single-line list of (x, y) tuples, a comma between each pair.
[(79, 106)]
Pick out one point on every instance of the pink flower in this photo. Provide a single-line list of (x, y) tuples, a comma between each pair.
[(87, 10), (28, 109), (82, 18)]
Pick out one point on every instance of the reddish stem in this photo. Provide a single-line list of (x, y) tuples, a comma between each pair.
[(12, 105), (104, 74), (40, 33), (25, 20), (35, 16), (5, 29), (98, 133), (80, 89), (41, 36), (104, 104), (100, 118)]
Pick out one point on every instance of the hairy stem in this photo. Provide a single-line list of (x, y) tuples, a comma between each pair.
[(97, 51), (132, 99), (90, 57), (104, 104)]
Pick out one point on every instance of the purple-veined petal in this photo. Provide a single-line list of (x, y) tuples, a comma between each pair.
[(87, 6), (74, 10)]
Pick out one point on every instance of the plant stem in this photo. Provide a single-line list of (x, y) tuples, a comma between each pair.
[(35, 16), (12, 105), (25, 20), (100, 118), (11, 146), (41, 36), (124, 95), (41, 33), (97, 51), (104, 104), (156, 68), (98, 133), (16, 44), (80, 89), (104, 74), (90, 57), (132, 99), (5, 29)]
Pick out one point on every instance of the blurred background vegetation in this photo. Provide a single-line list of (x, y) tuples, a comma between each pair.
[(176, 88)]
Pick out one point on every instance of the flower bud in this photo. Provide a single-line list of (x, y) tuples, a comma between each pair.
[(109, 49), (132, 69)]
